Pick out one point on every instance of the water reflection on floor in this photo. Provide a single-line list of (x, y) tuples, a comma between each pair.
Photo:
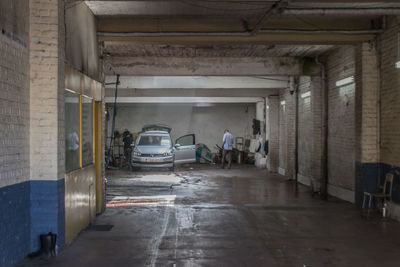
[(202, 215)]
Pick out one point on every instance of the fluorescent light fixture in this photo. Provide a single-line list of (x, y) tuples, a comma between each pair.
[(345, 81), (397, 64), (283, 103), (306, 94), (71, 91)]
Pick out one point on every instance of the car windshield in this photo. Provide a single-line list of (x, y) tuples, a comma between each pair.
[(154, 140)]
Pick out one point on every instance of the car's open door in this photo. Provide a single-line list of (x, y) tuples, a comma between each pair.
[(185, 149)]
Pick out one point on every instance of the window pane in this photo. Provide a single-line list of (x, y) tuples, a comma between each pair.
[(154, 140), (87, 157), (186, 140), (71, 131)]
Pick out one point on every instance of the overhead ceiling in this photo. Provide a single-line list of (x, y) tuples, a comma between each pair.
[(243, 9), (235, 28), (124, 49)]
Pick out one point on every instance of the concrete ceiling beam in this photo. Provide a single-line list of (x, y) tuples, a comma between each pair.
[(176, 24), (168, 8), (167, 66), (230, 38), (197, 82), (277, 8), (248, 92), (244, 9), (184, 100)]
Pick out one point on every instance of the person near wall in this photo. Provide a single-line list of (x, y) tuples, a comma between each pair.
[(227, 142), (127, 139)]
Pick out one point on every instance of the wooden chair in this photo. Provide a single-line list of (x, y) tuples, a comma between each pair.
[(384, 194)]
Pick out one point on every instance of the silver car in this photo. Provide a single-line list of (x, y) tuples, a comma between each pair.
[(154, 148)]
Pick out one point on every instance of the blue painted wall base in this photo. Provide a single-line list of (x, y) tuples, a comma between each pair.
[(369, 176), (14, 223), (47, 211), (27, 210)]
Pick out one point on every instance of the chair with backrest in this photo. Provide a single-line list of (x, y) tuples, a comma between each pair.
[(386, 192)]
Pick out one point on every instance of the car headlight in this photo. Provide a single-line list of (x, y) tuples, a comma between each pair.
[(137, 154), (166, 154)]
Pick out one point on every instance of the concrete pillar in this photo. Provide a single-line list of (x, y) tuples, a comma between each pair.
[(317, 106), (290, 113), (47, 120), (272, 114), (367, 119), (310, 137)]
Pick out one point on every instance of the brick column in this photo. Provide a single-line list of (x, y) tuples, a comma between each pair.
[(290, 134), (367, 124), (317, 105), (272, 111), (47, 120)]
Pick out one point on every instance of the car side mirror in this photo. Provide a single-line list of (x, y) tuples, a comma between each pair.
[(132, 145), (177, 145)]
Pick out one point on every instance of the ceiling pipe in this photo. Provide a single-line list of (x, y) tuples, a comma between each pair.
[(342, 11), (157, 34)]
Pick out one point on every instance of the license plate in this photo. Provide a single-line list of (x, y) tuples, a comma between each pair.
[(151, 160)]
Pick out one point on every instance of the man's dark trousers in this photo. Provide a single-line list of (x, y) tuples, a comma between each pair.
[(227, 155)]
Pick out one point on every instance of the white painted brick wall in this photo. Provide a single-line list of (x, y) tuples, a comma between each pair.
[(282, 130), (317, 132), (305, 131), (287, 132), (341, 118), (208, 124), (60, 90), (367, 109), (46, 90), (390, 95), (14, 93), (310, 131), (273, 133)]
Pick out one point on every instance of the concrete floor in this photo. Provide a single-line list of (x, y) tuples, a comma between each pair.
[(205, 216)]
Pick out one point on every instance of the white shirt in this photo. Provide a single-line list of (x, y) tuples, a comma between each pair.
[(227, 141), (73, 141)]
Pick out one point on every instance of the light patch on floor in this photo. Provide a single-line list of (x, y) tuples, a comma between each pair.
[(166, 178), (123, 201)]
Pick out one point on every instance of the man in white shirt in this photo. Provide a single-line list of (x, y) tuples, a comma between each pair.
[(227, 142)]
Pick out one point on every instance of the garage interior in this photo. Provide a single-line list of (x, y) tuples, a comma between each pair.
[(319, 78)]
